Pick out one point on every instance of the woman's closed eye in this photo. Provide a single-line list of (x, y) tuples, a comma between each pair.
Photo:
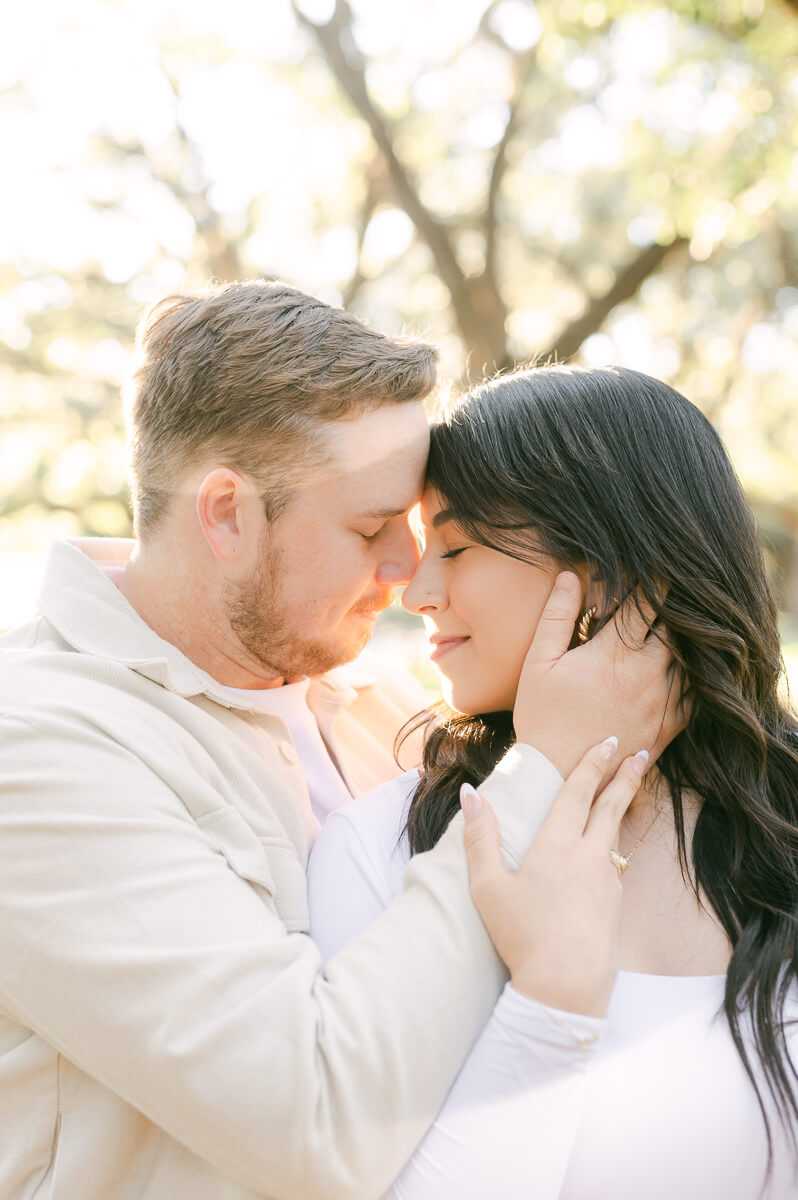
[(455, 552)]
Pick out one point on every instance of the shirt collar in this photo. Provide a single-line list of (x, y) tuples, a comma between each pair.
[(91, 614)]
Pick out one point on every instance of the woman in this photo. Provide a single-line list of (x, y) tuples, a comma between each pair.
[(617, 477)]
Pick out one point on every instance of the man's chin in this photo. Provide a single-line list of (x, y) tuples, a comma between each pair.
[(263, 627), (317, 657), (347, 648)]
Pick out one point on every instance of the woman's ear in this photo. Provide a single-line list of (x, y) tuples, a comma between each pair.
[(599, 605), (583, 625)]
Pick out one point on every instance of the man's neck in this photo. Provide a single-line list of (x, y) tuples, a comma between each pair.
[(185, 614)]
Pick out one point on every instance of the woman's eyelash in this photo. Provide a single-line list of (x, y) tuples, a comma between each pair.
[(454, 553)]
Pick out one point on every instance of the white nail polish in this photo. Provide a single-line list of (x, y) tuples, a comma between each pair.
[(470, 800), (609, 747)]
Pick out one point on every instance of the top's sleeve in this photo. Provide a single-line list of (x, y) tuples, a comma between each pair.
[(508, 1125), (129, 945)]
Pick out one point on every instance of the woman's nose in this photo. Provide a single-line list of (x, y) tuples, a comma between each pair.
[(424, 593)]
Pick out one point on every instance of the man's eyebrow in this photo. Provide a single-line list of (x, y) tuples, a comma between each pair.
[(440, 518), (384, 514)]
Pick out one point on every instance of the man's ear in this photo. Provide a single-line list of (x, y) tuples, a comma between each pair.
[(225, 512)]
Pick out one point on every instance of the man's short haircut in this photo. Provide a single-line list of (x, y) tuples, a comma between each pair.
[(245, 373)]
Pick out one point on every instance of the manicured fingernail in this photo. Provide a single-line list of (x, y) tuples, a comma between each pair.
[(470, 801), (640, 762), (609, 747)]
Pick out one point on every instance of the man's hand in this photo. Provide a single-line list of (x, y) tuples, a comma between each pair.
[(622, 681), (556, 921)]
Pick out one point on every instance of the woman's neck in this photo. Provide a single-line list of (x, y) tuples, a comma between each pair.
[(652, 803), (664, 928)]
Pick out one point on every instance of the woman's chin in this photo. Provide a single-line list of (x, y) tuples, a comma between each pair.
[(464, 699), (454, 695), (463, 696)]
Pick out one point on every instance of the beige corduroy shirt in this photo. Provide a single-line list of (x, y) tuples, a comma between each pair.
[(166, 1028)]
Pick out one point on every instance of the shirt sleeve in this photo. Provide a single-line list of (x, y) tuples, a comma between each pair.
[(508, 1124), (129, 945)]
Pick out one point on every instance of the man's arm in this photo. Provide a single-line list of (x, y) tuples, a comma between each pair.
[(128, 944)]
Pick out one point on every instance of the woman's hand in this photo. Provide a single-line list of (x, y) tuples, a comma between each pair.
[(555, 922), (622, 679)]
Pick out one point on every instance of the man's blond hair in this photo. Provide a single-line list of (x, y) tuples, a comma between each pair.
[(245, 373)]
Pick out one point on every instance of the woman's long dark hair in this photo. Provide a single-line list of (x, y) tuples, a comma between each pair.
[(613, 469)]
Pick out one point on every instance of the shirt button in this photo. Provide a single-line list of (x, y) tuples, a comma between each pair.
[(288, 752)]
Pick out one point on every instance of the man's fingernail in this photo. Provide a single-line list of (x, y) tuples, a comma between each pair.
[(640, 762), (609, 747), (470, 800)]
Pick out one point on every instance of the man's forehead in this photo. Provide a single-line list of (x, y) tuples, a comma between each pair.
[(431, 510), (394, 433), (379, 488), (379, 460)]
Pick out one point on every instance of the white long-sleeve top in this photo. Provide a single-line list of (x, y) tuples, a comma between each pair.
[(651, 1102)]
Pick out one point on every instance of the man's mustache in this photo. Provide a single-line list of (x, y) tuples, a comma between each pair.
[(378, 604)]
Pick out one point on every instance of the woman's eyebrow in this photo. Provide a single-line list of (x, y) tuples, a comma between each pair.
[(440, 518)]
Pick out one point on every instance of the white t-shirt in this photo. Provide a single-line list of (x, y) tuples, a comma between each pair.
[(652, 1102), (326, 787)]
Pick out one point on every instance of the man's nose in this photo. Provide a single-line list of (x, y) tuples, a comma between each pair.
[(401, 560)]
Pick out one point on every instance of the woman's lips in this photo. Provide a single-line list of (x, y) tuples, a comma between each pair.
[(444, 645)]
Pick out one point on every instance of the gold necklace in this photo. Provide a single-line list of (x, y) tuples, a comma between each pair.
[(621, 861)]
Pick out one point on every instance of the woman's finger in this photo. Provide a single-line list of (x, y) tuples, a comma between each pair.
[(604, 822), (570, 811), (555, 628)]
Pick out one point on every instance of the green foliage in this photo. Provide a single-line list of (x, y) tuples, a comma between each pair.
[(531, 158)]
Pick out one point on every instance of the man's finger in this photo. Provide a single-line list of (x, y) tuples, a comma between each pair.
[(556, 625)]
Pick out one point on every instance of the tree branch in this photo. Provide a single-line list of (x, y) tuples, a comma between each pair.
[(372, 197), (477, 304), (626, 284), (499, 166), (348, 69)]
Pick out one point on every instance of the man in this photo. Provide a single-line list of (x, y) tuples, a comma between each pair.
[(171, 730)]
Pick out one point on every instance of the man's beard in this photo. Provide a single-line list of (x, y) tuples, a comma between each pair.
[(261, 624)]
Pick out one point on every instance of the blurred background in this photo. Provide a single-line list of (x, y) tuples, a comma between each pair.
[(600, 181)]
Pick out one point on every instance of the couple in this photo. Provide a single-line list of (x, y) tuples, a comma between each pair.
[(177, 725)]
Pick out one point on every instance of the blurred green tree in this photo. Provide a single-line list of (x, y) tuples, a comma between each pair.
[(591, 179)]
